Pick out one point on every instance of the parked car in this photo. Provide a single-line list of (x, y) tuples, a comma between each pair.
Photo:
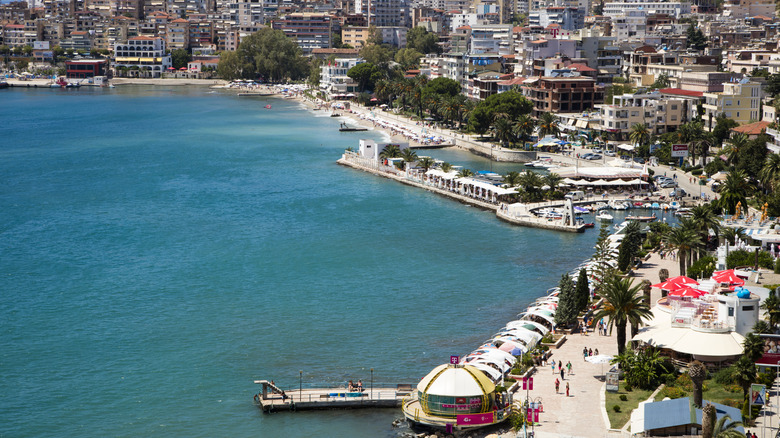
[(586, 156), (595, 157), (576, 195), (596, 150), (678, 193), (639, 160), (667, 184), (609, 153)]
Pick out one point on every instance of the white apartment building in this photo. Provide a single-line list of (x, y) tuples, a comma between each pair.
[(659, 113), (740, 101), (384, 12), (676, 9), (334, 79), (740, 9), (492, 39), (141, 56)]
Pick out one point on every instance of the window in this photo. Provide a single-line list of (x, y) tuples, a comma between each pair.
[(747, 308), (674, 107), (731, 311)]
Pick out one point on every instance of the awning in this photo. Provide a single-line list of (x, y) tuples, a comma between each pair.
[(626, 147)]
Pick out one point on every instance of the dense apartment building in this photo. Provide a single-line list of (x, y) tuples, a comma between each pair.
[(562, 94), (141, 56), (309, 30), (740, 100), (333, 77), (660, 113)]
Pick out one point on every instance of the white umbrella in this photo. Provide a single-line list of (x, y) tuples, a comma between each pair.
[(601, 358)]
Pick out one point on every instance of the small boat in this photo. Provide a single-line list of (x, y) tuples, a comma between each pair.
[(604, 217), (647, 205), (345, 128), (618, 205), (600, 206), (268, 107), (335, 115), (637, 204), (531, 163), (3, 84), (641, 218), (656, 206), (589, 224)]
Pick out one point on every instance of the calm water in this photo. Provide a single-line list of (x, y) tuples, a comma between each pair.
[(161, 248)]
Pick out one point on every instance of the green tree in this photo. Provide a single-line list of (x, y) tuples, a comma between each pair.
[(512, 179), (697, 372), (771, 308), (639, 135), (623, 303), (753, 346), (705, 219), (426, 163), (524, 127), (377, 55), (366, 75), (232, 66), (770, 173), (267, 53), (443, 87), (503, 131), (465, 173), (724, 428), (409, 155), (531, 183), (566, 313), (722, 129), (422, 41), (630, 246), (684, 240), (480, 120), (180, 58), (548, 125), (408, 58), (744, 373), (390, 151), (753, 156), (582, 291), (734, 190), (662, 81), (695, 38)]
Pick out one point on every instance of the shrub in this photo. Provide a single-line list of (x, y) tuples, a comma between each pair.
[(673, 392), (741, 257), (616, 408), (696, 172), (684, 382), (623, 397), (723, 376), (669, 379), (628, 387), (702, 268), (734, 388), (734, 403), (777, 266)]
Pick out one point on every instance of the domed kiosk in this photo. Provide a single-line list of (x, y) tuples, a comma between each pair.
[(457, 395)]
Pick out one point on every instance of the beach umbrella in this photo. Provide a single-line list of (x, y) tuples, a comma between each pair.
[(600, 359), (686, 292), (728, 276), (171, 68), (675, 282)]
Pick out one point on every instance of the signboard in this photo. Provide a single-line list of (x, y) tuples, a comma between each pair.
[(679, 151), (454, 360), (40, 45), (528, 383), (471, 419), (612, 381), (771, 353), (655, 147), (757, 394)]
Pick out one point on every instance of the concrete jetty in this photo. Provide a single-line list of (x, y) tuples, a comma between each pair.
[(273, 399)]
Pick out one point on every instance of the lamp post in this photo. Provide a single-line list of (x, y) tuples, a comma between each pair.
[(300, 385), (372, 383)]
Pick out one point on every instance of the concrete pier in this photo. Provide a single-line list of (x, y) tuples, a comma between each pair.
[(273, 399)]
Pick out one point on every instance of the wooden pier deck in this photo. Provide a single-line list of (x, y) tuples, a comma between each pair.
[(329, 398)]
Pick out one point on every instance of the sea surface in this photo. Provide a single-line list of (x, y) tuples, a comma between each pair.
[(161, 248)]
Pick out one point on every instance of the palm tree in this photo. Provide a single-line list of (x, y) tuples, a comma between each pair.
[(524, 127), (753, 346), (426, 163), (548, 125), (464, 173), (552, 180), (390, 151), (446, 167), (704, 218), (639, 134), (770, 173), (736, 144), (744, 373), (503, 131), (512, 179), (531, 182), (723, 430), (623, 303), (735, 189), (771, 307), (409, 155), (731, 234), (697, 372), (683, 240)]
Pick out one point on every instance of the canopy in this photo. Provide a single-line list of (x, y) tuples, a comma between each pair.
[(530, 325), (728, 276), (675, 282), (687, 292), (626, 147), (487, 369)]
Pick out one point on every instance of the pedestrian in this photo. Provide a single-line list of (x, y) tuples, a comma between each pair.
[(557, 385), (568, 367), (567, 389), (552, 364), (590, 352), (584, 353), (560, 365), (562, 378), (596, 352)]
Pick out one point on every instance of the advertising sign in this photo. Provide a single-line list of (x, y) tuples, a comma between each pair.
[(40, 45), (757, 394), (771, 354), (471, 419), (679, 150), (612, 381), (454, 360)]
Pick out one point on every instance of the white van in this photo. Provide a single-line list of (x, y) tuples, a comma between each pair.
[(576, 195)]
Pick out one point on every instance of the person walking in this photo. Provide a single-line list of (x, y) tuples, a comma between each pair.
[(562, 378), (557, 385), (568, 367), (567, 389), (552, 364)]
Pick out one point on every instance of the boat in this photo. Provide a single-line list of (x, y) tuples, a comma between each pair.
[(3, 84), (641, 218), (618, 205), (268, 107), (531, 163), (345, 128), (604, 217), (600, 206)]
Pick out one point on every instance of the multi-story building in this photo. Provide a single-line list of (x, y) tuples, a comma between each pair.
[(739, 100), (78, 41), (355, 36), (201, 33), (178, 34), (562, 94), (309, 30), (674, 8), (333, 77), (740, 9), (660, 113), (14, 36), (569, 19), (492, 39), (384, 12), (141, 56)]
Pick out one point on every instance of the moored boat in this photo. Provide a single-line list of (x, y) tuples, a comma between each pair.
[(641, 218), (604, 217)]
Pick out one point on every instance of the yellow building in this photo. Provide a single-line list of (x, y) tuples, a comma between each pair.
[(355, 36), (739, 101)]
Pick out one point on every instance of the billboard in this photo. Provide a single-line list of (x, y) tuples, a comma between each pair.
[(771, 354), (613, 381), (679, 150), (40, 45), (470, 419), (757, 394)]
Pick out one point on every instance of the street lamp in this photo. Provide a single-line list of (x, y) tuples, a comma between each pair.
[(300, 385), (372, 383)]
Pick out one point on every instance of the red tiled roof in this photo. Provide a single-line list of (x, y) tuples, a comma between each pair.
[(581, 67), (517, 29), (513, 81), (681, 92), (553, 26), (756, 128), (180, 20), (464, 27)]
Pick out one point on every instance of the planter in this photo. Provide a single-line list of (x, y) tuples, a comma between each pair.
[(557, 344)]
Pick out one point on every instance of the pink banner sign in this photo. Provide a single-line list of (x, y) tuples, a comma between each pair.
[(454, 360), (472, 419)]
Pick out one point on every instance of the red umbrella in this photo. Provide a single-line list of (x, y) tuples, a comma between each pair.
[(675, 283), (171, 68), (728, 276), (183, 68), (686, 291)]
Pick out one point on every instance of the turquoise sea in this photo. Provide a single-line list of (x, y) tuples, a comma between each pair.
[(161, 248)]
